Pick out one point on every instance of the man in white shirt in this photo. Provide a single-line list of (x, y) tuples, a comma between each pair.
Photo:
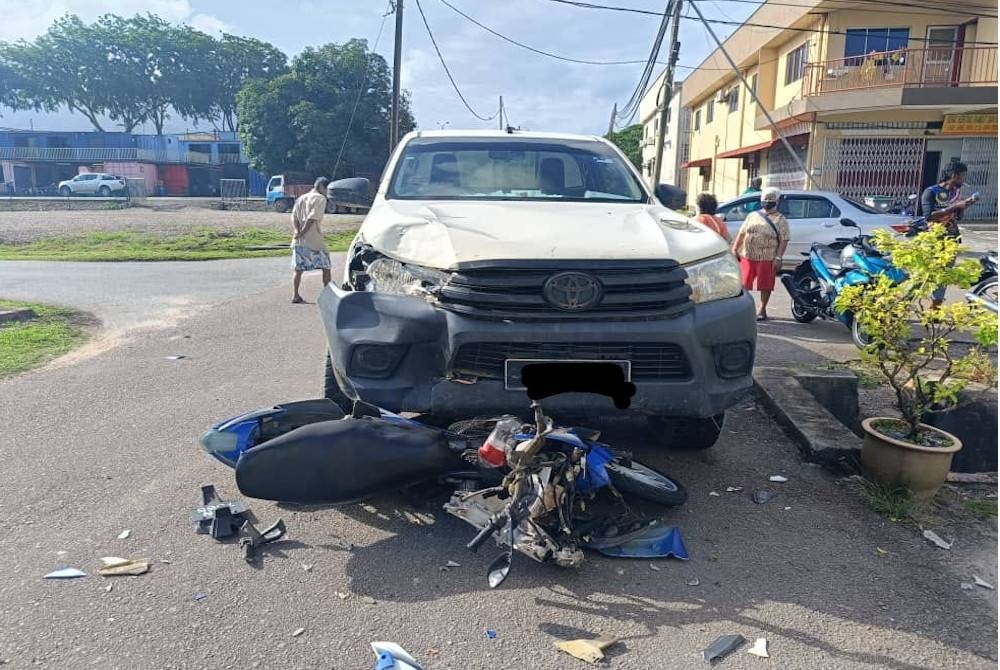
[(309, 251)]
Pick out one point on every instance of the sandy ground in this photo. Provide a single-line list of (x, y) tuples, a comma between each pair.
[(21, 227)]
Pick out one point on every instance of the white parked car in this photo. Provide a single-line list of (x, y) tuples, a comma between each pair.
[(93, 183), (813, 216)]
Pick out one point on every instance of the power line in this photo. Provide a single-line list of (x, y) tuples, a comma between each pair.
[(361, 89), (590, 5), (631, 107), (448, 72)]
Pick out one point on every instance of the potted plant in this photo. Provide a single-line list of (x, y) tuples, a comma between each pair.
[(913, 350)]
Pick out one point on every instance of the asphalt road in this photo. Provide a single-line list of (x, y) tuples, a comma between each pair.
[(109, 443)]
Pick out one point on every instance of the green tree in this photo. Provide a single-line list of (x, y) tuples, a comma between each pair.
[(299, 120), (237, 61), (628, 141)]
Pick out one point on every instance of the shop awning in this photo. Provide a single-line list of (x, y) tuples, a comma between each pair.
[(754, 148), (701, 162)]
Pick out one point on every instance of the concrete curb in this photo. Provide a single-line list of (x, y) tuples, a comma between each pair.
[(820, 435)]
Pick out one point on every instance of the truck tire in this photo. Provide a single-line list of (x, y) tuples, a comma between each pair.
[(331, 389), (685, 433), (280, 206)]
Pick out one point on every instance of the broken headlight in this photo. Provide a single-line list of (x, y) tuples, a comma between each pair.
[(714, 279), (387, 275)]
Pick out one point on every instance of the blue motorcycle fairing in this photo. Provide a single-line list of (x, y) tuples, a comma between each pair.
[(652, 541)]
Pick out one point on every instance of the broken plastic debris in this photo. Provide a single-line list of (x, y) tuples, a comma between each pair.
[(109, 587), (968, 586), (200, 596), (722, 647), (307, 567), (778, 479), (733, 489), (714, 493), (759, 648), (453, 564), (124, 534), (490, 633), (368, 600), (654, 568), (393, 657), (590, 651), (881, 552), (65, 573), (116, 567), (694, 581), (343, 595), (762, 496), (620, 571), (980, 582), (936, 539), (298, 631), (176, 357)]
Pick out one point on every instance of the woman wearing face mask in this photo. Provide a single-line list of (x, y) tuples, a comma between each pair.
[(760, 244)]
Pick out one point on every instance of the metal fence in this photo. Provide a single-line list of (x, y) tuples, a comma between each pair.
[(233, 192)]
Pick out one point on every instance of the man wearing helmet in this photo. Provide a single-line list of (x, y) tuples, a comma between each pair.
[(760, 244)]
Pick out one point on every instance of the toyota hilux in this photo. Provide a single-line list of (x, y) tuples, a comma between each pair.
[(486, 250)]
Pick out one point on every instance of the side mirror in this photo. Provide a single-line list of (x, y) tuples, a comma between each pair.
[(670, 196), (847, 223)]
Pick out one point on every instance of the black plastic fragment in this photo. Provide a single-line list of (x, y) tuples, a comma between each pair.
[(722, 647), (251, 538), (217, 517)]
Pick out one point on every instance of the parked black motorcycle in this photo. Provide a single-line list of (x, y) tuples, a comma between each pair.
[(985, 290)]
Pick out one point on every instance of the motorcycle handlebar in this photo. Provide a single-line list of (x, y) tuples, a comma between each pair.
[(485, 534)]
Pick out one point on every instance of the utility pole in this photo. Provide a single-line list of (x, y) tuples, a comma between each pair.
[(397, 57), (753, 93), (501, 112), (668, 90), (611, 123)]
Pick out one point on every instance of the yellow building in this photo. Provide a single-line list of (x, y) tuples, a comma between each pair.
[(874, 98)]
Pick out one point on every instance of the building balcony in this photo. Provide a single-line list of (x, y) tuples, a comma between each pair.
[(944, 76)]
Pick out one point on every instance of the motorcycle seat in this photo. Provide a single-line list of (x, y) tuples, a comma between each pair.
[(831, 257)]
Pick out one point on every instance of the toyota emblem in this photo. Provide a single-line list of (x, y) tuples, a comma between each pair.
[(573, 291)]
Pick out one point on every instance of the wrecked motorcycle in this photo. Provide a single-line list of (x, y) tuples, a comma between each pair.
[(545, 491)]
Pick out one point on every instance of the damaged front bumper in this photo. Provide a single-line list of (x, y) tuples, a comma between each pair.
[(407, 355)]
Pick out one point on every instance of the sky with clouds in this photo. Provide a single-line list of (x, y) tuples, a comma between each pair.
[(539, 93)]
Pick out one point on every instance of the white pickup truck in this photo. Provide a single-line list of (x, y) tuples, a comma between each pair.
[(486, 249)]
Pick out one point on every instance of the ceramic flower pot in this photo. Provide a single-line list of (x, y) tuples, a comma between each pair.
[(895, 462)]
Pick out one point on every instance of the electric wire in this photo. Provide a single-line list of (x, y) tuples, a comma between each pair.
[(631, 108), (362, 88), (448, 72)]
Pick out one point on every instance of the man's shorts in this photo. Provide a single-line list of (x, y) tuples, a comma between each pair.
[(305, 259)]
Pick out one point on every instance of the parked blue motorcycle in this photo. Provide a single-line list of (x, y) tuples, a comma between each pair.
[(815, 284)]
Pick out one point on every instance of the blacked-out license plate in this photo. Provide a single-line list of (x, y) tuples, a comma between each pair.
[(514, 368)]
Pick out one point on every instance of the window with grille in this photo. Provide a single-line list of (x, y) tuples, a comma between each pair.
[(795, 64), (859, 42), (734, 99), (753, 84), (709, 112), (697, 120)]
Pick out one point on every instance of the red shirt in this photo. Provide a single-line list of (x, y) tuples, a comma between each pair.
[(715, 223)]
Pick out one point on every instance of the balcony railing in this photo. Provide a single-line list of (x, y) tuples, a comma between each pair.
[(943, 66), (100, 155)]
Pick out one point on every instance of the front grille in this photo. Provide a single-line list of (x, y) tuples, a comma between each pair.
[(514, 289), (650, 362)]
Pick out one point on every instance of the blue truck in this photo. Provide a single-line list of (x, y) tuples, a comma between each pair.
[(351, 195)]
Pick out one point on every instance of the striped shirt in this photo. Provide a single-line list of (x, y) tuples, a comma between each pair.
[(759, 242)]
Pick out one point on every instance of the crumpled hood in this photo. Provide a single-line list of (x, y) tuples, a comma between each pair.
[(444, 234)]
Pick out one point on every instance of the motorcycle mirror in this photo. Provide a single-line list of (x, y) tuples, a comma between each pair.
[(847, 223), (498, 570)]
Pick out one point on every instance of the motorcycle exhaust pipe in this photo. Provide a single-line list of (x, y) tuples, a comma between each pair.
[(988, 304)]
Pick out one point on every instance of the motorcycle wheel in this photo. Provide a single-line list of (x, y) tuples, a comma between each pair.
[(644, 482), (987, 290), (805, 284), (858, 335)]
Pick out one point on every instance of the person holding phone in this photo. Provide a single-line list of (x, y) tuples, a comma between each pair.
[(943, 205), (760, 245)]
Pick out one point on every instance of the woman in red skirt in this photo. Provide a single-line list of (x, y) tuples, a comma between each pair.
[(760, 244)]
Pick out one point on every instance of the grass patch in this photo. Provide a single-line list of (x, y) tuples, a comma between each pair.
[(983, 509), (27, 344), (896, 504), (202, 244)]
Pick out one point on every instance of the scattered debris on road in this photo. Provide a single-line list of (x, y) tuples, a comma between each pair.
[(251, 538), (368, 600), (393, 657), (981, 582), (733, 489), (113, 566), (307, 567), (694, 581), (109, 587), (65, 573), (298, 631), (937, 539), (654, 567), (176, 357), (762, 496), (714, 494), (124, 535), (591, 651), (759, 648), (217, 517), (722, 647), (198, 597), (881, 552), (452, 564), (778, 479), (343, 595), (491, 634), (968, 586)]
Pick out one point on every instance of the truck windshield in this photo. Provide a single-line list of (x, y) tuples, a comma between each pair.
[(513, 169)]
